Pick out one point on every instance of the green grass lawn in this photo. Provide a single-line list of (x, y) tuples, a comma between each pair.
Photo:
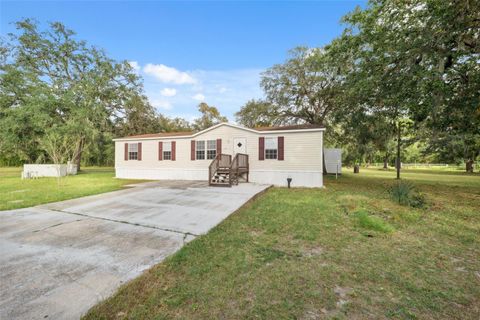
[(17, 193), (343, 252)]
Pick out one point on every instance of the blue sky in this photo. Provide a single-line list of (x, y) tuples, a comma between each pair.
[(188, 52)]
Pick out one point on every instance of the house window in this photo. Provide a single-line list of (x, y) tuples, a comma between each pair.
[(167, 151), (133, 151), (205, 149), (211, 149), (271, 148), (200, 150)]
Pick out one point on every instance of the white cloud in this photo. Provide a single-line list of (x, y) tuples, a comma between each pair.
[(199, 97), (161, 104), (134, 65), (241, 85), (168, 92), (168, 74)]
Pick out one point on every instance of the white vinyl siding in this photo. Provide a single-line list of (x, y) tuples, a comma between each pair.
[(302, 150), (302, 154)]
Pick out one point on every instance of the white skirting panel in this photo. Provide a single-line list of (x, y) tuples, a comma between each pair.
[(162, 174), (275, 177), (312, 179)]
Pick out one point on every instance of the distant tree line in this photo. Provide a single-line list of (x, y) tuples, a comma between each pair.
[(404, 77), (62, 99)]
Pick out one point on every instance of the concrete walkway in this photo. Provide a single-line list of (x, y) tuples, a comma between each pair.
[(60, 259)]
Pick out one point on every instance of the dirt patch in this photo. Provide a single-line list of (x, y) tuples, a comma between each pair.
[(312, 315), (255, 233), (323, 313), (312, 252), (342, 294)]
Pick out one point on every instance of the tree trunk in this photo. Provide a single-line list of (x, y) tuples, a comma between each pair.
[(469, 166), (78, 157), (398, 162), (385, 162), (356, 168)]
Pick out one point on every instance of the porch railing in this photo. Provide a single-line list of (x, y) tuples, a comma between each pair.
[(223, 165), (221, 162), (239, 166)]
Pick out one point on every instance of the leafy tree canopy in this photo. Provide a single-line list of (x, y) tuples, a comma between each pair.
[(257, 113), (210, 116)]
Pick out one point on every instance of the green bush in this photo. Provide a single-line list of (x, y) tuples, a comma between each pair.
[(405, 193)]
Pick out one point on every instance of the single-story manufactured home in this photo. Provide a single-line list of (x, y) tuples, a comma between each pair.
[(225, 154)]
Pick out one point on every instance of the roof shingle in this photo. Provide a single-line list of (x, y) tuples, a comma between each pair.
[(291, 127), (160, 135)]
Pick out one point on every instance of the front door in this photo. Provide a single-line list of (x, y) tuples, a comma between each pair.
[(239, 145)]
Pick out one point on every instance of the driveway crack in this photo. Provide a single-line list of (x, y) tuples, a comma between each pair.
[(56, 225), (185, 234)]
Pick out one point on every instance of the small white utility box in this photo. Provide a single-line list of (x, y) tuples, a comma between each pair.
[(333, 160)]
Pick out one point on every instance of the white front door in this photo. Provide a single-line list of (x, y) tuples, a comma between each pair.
[(239, 145)]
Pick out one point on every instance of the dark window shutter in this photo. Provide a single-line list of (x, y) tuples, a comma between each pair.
[(160, 150), (219, 146), (126, 152), (261, 148), (281, 148), (139, 151), (192, 150), (174, 150)]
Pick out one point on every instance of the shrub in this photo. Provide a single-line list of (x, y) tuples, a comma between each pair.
[(370, 222), (406, 194)]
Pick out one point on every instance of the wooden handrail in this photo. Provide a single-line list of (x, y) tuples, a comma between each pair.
[(239, 165), (240, 161), (220, 161), (211, 170)]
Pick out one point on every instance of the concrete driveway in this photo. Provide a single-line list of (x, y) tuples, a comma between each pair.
[(60, 259)]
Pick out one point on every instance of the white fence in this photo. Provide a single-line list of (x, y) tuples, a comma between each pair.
[(33, 171), (427, 165)]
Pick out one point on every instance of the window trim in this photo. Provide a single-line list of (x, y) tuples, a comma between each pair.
[(132, 155), (206, 148), (275, 139), (199, 151), (167, 152)]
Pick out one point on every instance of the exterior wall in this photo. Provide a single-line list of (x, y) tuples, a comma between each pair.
[(302, 158)]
